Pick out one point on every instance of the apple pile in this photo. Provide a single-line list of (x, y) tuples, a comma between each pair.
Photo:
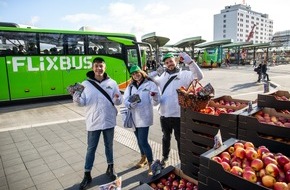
[(272, 119), (230, 103), (191, 90), (257, 165), (283, 98), (215, 110), (173, 182)]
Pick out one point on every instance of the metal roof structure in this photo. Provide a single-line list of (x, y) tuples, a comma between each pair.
[(237, 44), (215, 43), (154, 40), (189, 42)]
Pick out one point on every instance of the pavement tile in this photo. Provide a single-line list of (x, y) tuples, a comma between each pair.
[(61, 147), (34, 163), (40, 143), (38, 170), (52, 158), (70, 180), (6, 146), (50, 185), (3, 182), (12, 162), (57, 164), (24, 145), (8, 152), (15, 168), (23, 184), (78, 166), (47, 153), (7, 140), (68, 153), (74, 159), (15, 177), (30, 157), (28, 152), (59, 172), (43, 177)]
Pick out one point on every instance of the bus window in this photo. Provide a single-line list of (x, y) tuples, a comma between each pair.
[(75, 44), (132, 57), (51, 44), (101, 45), (19, 43)]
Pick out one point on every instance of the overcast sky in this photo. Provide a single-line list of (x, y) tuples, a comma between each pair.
[(175, 19)]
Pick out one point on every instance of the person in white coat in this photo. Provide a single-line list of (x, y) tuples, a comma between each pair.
[(142, 111), (100, 116), (169, 109)]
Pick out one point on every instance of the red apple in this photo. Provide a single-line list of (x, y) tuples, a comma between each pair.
[(248, 168), (172, 175), (268, 154), (257, 164), (183, 181), (251, 154), (286, 167), (166, 187), (281, 177), (181, 186), (272, 169), (280, 186), (189, 184), (268, 181), (236, 170), (217, 159), (153, 185), (225, 159), (287, 176), (160, 185), (163, 180), (175, 183), (262, 150), (261, 173), (268, 160), (240, 152), (246, 163), (225, 155), (250, 176), (226, 166)]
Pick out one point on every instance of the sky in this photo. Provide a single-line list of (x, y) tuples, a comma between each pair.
[(174, 19)]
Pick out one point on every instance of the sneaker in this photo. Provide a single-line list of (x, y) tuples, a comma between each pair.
[(86, 181), (164, 162)]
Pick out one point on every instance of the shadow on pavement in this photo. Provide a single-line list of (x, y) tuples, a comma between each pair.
[(244, 85)]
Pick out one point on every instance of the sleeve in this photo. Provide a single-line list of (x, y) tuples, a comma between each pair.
[(194, 68), (117, 100), (155, 100)]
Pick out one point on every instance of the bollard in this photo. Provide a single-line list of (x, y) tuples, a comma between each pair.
[(266, 87)]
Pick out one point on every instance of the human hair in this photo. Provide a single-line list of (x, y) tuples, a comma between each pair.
[(99, 60)]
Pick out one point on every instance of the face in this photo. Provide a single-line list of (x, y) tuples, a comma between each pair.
[(99, 69), (137, 76), (170, 63)]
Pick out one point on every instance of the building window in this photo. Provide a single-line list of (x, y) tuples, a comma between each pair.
[(225, 26), (224, 31), (225, 21), (224, 36), (247, 21), (241, 20), (225, 16)]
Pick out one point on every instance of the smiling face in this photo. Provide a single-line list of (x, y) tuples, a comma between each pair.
[(137, 76), (170, 63), (99, 69)]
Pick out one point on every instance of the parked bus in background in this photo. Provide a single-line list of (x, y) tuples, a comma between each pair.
[(36, 63), (208, 54)]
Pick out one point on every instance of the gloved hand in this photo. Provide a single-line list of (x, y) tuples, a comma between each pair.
[(133, 104), (186, 58), (76, 97)]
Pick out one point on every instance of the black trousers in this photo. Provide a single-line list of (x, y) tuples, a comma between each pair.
[(169, 124)]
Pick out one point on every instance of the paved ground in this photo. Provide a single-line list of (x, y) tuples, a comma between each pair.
[(42, 145)]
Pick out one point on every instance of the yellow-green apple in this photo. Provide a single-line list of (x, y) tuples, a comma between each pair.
[(268, 181), (240, 152), (251, 154), (231, 149), (280, 186), (261, 173), (248, 144), (274, 119), (272, 169), (236, 170), (238, 144), (257, 164), (250, 176)]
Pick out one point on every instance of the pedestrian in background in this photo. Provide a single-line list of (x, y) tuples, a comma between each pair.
[(142, 111), (169, 110), (100, 116)]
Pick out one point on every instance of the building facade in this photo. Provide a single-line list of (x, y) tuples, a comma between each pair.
[(237, 21)]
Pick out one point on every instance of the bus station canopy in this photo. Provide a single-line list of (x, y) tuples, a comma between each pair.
[(237, 44), (189, 42), (154, 40), (214, 43), (262, 45)]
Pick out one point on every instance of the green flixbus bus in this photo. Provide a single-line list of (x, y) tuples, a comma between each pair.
[(37, 63)]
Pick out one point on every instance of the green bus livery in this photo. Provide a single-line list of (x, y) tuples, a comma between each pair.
[(36, 63)]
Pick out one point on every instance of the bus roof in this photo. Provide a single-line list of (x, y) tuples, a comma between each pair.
[(188, 42), (214, 43), (42, 30)]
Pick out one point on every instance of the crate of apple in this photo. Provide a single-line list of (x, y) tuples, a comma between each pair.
[(278, 100), (174, 180), (272, 117), (257, 165)]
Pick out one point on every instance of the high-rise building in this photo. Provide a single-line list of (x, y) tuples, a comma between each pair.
[(237, 21)]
